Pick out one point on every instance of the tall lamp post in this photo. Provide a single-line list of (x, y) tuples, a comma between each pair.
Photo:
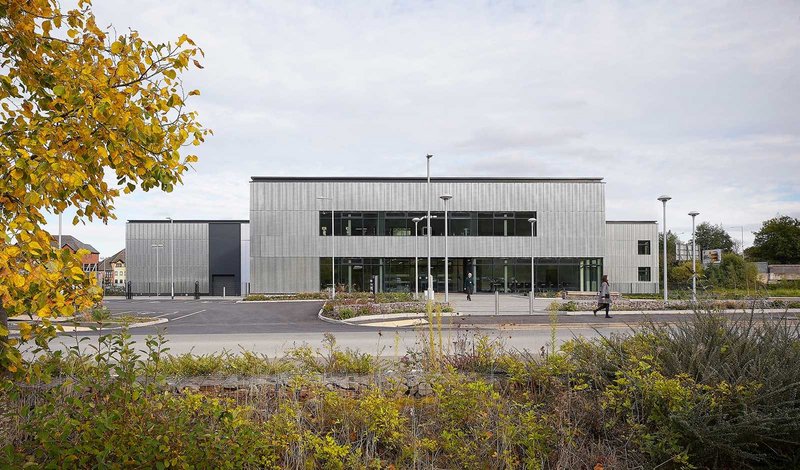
[(416, 221), (664, 200), (445, 198), (171, 258), (694, 260), (158, 286), (429, 294), (333, 247), (532, 295)]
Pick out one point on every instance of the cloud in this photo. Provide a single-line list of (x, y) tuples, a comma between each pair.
[(698, 100)]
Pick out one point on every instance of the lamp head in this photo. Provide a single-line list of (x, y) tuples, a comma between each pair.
[(694, 213), (429, 156), (416, 220), (532, 220), (446, 197), (664, 198)]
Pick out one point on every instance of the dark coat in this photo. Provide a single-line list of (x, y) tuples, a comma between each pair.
[(469, 284)]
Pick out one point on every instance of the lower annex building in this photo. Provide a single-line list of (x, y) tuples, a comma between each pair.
[(287, 244)]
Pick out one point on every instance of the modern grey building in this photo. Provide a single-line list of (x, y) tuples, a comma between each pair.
[(210, 255), (488, 235)]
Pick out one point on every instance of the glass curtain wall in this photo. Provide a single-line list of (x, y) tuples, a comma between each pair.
[(399, 224), (507, 275)]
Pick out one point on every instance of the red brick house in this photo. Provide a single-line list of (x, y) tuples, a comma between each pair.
[(90, 261)]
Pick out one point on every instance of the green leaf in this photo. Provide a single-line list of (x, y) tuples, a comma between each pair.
[(59, 90)]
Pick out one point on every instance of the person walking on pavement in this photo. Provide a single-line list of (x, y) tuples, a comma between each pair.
[(469, 286), (603, 297)]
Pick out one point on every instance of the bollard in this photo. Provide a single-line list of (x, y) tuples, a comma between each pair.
[(496, 302), (196, 290), (530, 304), (223, 292)]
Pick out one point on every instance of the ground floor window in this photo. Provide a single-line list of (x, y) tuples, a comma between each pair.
[(491, 274), (644, 274)]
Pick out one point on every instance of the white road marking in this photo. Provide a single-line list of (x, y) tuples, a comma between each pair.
[(165, 314), (188, 315)]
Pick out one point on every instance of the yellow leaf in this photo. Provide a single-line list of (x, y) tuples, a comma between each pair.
[(25, 330), (116, 47)]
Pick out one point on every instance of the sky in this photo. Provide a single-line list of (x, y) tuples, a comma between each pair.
[(697, 100)]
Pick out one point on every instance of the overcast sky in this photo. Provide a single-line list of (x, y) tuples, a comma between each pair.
[(699, 100)]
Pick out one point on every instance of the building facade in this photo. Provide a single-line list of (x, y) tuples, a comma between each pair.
[(112, 270), (212, 256), (90, 261), (371, 232)]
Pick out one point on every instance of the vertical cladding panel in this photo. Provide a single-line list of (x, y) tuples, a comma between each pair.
[(622, 258), (191, 257)]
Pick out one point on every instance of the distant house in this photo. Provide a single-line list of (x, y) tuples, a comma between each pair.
[(112, 270), (90, 261), (783, 272)]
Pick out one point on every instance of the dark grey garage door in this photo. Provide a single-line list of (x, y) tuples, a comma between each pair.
[(220, 281)]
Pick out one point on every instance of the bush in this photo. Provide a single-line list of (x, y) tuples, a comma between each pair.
[(733, 272), (570, 306), (706, 392)]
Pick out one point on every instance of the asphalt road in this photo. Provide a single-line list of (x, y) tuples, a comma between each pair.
[(219, 317), (211, 326)]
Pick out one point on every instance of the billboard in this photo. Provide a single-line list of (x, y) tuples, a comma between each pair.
[(712, 257)]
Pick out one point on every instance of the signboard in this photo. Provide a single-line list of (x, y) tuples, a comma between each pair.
[(712, 257)]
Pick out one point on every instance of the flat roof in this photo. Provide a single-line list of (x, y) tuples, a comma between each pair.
[(189, 221), (631, 221), (414, 179)]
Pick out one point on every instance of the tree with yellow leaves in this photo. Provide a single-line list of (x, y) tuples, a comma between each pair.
[(79, 106)]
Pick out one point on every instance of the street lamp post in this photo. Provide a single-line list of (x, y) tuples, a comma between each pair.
[(416, 221), (664, 200), (532, 295), (694, 261), (171, 258), (158, 286), (333, 248), (445, 198)]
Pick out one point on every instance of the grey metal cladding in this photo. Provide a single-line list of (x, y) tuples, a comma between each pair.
[(622, 261), (284, 217), (191, 256)]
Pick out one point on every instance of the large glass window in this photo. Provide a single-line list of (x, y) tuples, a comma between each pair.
[(460, 224), (522, 228), (491, 274), (397, 224)]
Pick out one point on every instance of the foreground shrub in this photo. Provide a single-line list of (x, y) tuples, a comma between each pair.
[(708, 392)]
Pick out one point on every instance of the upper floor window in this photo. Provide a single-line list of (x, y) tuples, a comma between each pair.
[(401, 223), (644, 247)]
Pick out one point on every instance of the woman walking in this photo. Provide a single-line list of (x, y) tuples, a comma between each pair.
[(603, 297)]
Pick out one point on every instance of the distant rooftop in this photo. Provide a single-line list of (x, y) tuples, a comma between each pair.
[(405, 179), (105, 264), (73, 243)]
